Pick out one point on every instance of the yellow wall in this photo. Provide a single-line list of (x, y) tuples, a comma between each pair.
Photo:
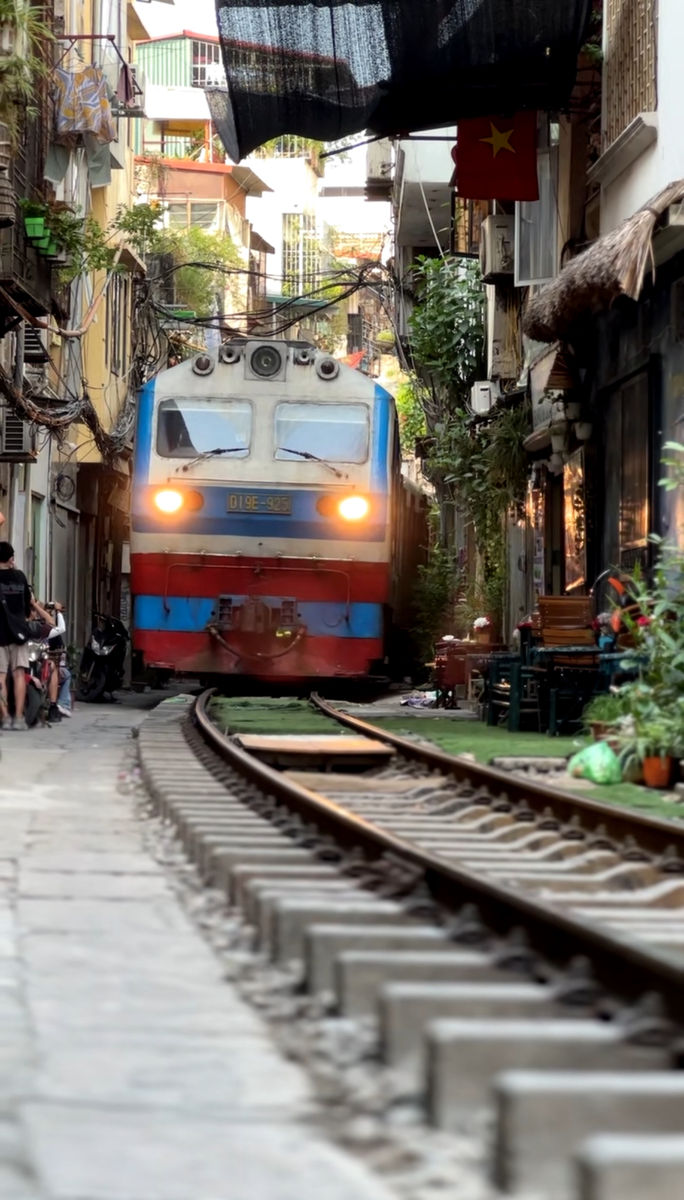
[(106, 390)]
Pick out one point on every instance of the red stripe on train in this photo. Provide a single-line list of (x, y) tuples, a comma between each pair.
[(214, 575), (311, 657)]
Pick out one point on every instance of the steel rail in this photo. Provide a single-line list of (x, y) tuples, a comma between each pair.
[(619, 966), (656, 836)]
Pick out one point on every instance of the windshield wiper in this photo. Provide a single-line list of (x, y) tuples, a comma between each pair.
[(312, 458), (211, 454)]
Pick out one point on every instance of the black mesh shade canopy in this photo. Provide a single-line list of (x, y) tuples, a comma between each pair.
[(327, 68)]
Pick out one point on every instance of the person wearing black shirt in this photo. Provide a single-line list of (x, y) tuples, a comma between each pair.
[(15, 609)]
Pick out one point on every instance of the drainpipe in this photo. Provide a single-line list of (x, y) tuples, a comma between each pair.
[(19, 387)]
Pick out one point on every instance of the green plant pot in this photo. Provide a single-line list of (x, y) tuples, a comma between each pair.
[(52, 249), (35, 227), (41, 244)]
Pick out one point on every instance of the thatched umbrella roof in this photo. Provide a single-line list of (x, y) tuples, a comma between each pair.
[(613, 266)]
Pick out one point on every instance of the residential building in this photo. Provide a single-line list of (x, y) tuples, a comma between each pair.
[(68, 348), (602, 370), (608, 390), (181, 163)]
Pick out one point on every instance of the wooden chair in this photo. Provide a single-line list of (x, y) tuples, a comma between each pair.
[(566, 621)]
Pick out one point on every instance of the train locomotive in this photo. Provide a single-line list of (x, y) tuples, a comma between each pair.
[(272, 534)]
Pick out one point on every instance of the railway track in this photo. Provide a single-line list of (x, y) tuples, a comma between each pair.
[(506, 947)]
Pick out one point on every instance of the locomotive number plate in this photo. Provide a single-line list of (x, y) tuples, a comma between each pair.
[(273, 504)]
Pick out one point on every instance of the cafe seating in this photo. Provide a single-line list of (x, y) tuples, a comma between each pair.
[(514, 693), (566, 621), (567, 650), (456, 662)]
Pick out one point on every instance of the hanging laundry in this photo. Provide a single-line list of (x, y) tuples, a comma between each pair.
[(97, 157), (125, 91), (82, 106)]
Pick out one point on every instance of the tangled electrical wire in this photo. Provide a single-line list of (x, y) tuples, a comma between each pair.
[(154, 326), (336, 287)]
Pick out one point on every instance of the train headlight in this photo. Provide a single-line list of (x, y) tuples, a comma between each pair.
[(168, 500), (353, 508)]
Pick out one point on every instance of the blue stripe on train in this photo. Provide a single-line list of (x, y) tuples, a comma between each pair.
[(382, 403), (306, 522), (190, 614)]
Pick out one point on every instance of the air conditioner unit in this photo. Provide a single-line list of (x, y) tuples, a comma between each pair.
[(503, 333), (17, 440), (379, 169), (482, 396), (136, 108), (379, 160), (497, 247)]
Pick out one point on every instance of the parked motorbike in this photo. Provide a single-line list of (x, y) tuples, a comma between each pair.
[(102, 662)]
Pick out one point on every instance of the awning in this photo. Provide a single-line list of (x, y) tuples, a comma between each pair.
[(613, 266), (259, 244), (326, 68)]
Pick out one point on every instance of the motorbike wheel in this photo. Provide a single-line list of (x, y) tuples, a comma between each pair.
[(33, 705), (91, 687)]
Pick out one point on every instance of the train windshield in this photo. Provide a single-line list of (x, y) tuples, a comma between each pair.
[(331, 432), (187, 428)]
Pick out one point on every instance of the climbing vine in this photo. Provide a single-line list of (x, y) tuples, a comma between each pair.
[(411, 416), (477, 464), (447, 327)]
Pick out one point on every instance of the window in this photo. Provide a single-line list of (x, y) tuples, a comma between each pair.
[(333, 432), (300, 253), (634, 515), (575, 522), (536, 221), (118, 319), (629, 69), (207, 65), (208, 215), (187, 427), (627, 472)]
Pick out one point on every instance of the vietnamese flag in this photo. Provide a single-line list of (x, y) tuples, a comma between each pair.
[(496, 158)]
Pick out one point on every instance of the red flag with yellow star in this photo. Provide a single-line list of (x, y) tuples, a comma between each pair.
[(496, 158)]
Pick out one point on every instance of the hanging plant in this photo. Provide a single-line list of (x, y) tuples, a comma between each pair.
[(23, 36), (34, 212)]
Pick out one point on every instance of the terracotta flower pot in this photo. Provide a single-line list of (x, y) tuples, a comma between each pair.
[(482, 635), (657, 771)]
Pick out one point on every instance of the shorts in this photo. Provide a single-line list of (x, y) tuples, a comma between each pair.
[(12, 657)]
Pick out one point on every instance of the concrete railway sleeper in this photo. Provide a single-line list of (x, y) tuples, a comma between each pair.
[(554, 1006)]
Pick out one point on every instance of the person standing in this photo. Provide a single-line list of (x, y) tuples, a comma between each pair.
[(15, 609), (60, 679)]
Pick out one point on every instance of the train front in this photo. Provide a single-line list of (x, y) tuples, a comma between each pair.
[(260, 541)]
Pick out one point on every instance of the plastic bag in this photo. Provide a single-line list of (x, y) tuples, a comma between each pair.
[(598, 763)]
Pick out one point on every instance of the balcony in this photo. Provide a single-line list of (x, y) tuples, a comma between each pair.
[(25, 276)]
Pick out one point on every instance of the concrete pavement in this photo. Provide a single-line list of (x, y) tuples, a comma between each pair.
[(130, 1069)]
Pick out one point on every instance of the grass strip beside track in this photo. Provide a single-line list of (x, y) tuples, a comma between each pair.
[(486, 743), (259, 714)]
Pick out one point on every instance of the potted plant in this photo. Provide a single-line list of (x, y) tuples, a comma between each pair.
[(648, 747), (603, 713), (34, 218), (658, 736), (23, 38), (482, 629)]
